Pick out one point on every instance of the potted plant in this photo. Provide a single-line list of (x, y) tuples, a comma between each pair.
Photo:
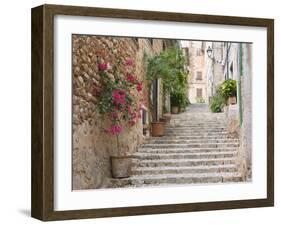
[(119, 100), (157, 128), (169, 66), (175, 103), (166, 116), (228, 90), (217, 103)]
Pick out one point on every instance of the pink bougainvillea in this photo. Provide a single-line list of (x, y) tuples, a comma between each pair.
[(139, 86), (131, 78), (102, 66), (114, 129), (119, 97), (129, 62)]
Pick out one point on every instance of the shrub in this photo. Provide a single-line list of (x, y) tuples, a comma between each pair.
[(179, 99), (217, 103), (200, 100), (228, 89)]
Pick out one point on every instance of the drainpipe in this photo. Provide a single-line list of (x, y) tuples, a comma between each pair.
[(227, 50), (239, 96)]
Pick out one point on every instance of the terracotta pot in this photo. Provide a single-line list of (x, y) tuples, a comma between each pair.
[(167, 116), (232, 100), (121, 166), (175, 109), (163, 119), (157, 129)]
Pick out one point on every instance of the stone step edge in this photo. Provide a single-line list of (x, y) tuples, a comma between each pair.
[(182, 160), (143, 149), (156, 168), (143, 154), (185, 175), (186, 145)]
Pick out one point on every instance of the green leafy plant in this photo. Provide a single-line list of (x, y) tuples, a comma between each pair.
[(217, 103), (200, 100), (228, 89), (179, 99), (169, 65)]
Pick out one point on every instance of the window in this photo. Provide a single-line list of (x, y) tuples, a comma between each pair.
[(199, 76), (199, 92)]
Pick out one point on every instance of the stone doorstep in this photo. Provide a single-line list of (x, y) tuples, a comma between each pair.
[(182, 170), (192, 145), (142, 180), (184, 150), (182, 162), (204, 155)]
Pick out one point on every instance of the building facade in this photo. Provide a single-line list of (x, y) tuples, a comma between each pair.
[(92, 147), (233, 61), (197, 82)]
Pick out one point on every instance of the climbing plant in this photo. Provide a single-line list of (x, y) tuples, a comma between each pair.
[(169, 65)]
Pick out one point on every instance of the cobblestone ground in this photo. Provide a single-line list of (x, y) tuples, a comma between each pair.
[(196, 148)]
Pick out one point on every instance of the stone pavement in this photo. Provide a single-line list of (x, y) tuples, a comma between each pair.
[(196, 148)]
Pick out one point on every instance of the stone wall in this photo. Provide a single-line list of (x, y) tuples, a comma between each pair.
[(246, 128), (92, 147)]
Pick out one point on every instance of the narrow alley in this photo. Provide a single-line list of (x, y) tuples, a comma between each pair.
[(196, 148)]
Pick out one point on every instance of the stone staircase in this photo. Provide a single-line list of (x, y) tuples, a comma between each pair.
[(196, 148)]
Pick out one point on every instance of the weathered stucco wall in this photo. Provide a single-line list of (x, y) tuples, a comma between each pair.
[(246, 129), (91, 146)]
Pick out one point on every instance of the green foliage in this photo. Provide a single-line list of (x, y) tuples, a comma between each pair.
[(200, 100), (217, 103), (179, 99), (169, 65), (228, 89)]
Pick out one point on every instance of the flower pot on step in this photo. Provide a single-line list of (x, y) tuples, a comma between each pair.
[(232, 100), (175, 109), (157, 129), (121, 166)]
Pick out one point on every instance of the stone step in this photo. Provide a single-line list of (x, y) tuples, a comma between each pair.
[(176, 131), (196, 133), (196, 125), (202, 155), (168, 179), (182, 162), (190, 137), (182, 141), (204, 118), (191, 145), (184, 169), (184, 150)]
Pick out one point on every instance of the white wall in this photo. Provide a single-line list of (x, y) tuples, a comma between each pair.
[(15, 113)]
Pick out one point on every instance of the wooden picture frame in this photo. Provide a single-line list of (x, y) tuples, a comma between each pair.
[(43, 119)]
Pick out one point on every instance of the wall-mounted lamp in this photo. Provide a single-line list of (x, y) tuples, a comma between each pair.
[(209, 52), (210, 55)]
